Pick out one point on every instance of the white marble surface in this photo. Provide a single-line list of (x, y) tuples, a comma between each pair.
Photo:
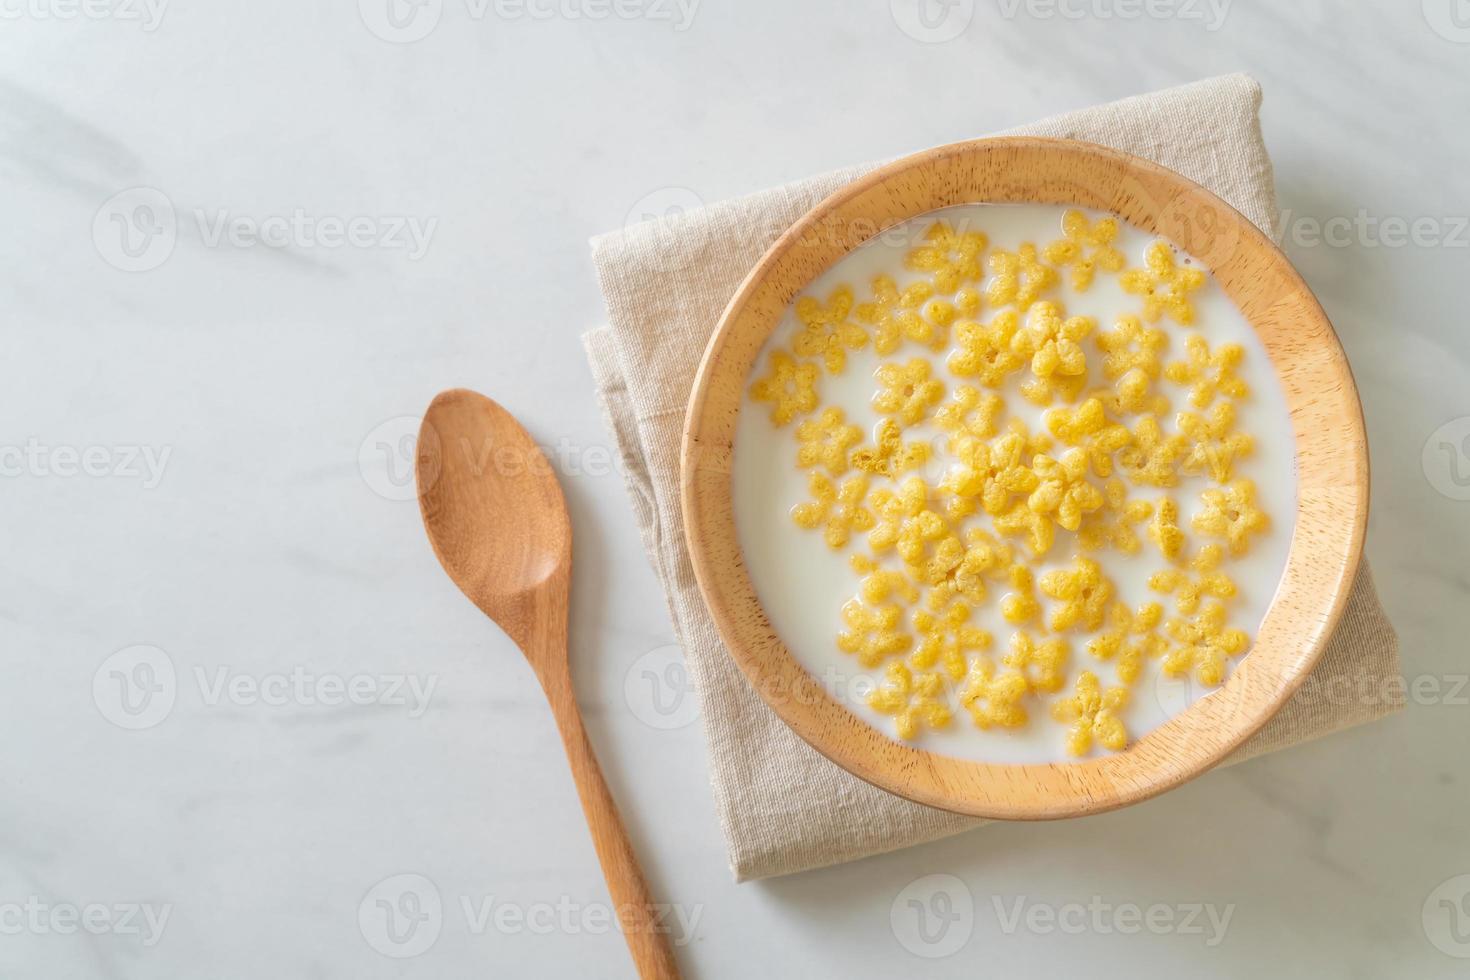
[(261, 821)]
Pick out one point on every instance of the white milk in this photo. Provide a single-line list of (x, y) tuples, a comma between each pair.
[(803, 583)]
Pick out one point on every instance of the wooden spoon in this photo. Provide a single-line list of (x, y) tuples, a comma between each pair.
[(498, 523)]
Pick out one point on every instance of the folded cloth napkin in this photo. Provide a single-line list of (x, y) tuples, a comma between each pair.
[(784, 807)]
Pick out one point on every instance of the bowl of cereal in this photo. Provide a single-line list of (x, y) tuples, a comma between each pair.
[(1024, 478)]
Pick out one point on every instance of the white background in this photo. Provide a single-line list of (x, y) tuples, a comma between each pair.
[(270, 545)]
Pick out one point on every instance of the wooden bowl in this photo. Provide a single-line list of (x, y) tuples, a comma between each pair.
[(1331, 470)]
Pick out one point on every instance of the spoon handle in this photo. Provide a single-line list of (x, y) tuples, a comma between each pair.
[(647, 939)]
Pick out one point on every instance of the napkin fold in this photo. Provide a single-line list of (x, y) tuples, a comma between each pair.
[(783, 807)]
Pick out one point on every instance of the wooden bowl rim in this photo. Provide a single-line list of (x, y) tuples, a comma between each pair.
[(1213, 726)]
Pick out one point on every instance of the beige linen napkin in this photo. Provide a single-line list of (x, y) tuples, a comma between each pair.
[(783, 807)]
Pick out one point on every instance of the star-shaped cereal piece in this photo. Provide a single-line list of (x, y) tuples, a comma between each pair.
[(826, 440), (890, 455), (1131, 353), (1208, 373), (994, 700), (839, 509), (1082, 594), (1042, 664), (878, 584), (983, 351), (914, 700), (1088, 427), (789, 386), (1204, 646), (1153, 457), (1087, 247), (1094, 715), (951, 257), (1019, 278), (960, 570), (1113, 524), (1231, 513), (1019, 520), (970, 412), (1130, 638), (941, 314), (1164, 530), (1164, 285), (826, 331), (992, 472), (909, 391), (1188, 589), (894, 314), (946, 639), (1215, 444), (905, 521), (874, 633), (1063, 492), (1054, 347)]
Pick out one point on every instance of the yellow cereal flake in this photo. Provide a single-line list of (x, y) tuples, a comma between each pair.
[(1018, 278), (873, 633), (991, 472), (1131, 360), (1087, 247), (790, 387), (952, 258), (1087, 426), (878, 584), (1054, 348), (1164, 529), (941, 314), (970, 412), (839, 510), (1093, 714), (1164, 285), (890, 455), (1208, 373), (894, 315), (1231, 513), (905, 521), (1040, 663), (984, 350), (1062, 489), (1203, 646), (994, 700), (909, 391), (1188, 589), (1215, 444), (826, 331), (946, 640), (826, 440), (1153, 457), (960, 570), (1081, 593), (1113, 524), (914, 700), (1130, 638), (1019, 520), (1020, 606)]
